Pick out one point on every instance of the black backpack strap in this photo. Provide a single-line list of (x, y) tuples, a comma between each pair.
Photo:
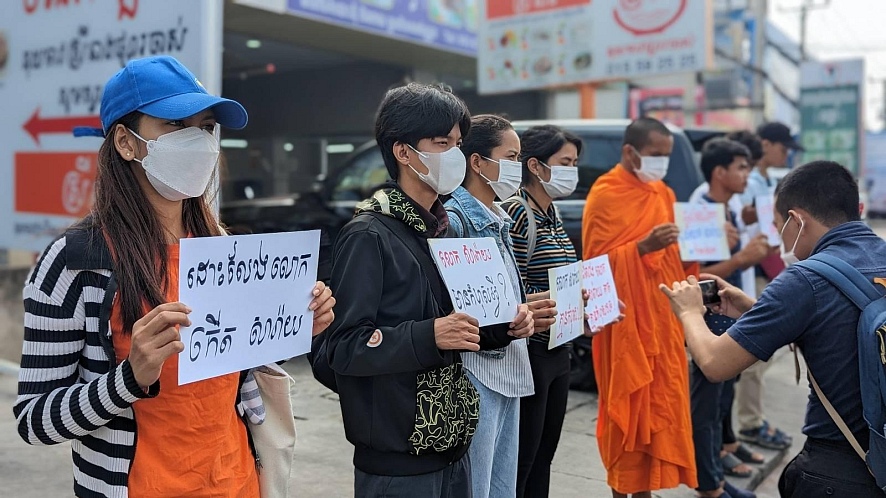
[(407, 236)]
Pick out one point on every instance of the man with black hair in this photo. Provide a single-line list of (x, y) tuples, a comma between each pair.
[(408, 407), (816, 210), (725, 166), (644, 430), (775, 143)]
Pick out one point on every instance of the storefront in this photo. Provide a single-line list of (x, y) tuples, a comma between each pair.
[(311, 74)]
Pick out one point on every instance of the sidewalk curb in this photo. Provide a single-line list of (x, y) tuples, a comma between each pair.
[(8, 368)]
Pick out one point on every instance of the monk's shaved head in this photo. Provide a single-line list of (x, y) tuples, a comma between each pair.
[(638, 132)]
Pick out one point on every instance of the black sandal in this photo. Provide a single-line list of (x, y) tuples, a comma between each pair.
[(730, 463), (747, 456)]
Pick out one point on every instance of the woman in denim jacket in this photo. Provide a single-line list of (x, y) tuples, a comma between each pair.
[(501, 376)]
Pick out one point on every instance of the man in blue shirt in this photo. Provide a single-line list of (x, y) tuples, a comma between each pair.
[(816, 210)]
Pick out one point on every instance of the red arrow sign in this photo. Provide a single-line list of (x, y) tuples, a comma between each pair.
[(37, 126)]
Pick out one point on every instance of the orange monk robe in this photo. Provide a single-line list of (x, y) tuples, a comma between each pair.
[(644, 429)]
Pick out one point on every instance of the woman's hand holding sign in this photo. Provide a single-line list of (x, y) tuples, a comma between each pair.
[(155, 338), (544, 310), (523, 325), (322, 305)]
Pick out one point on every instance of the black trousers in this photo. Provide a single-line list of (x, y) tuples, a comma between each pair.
[(710, 402), (452, 482), (541, 419), (827, 469), (728, 429)]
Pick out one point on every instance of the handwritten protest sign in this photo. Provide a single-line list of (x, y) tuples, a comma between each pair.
[(702, 231), (602, 307), (565, 283), (476, 277), (765, 205), (249, 295)]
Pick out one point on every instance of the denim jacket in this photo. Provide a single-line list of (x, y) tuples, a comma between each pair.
[(506, 370)]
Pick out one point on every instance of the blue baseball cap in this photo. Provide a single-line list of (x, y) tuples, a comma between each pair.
[(161, 87)]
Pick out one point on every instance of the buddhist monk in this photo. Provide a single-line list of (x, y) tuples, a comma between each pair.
[(644, 429)]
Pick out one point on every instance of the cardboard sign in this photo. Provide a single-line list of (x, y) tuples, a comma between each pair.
[(602, 308), (250, 296), (565, 283), (766, 217), (702, 231), (476, 278)]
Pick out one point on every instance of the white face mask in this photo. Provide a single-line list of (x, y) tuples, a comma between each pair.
[(446, 170), (564, 179), (510, 175), (652, 168), (180, 164), (789, 257)]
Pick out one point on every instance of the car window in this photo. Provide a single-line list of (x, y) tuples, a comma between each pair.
[(684, 174), (600, 152), (360, 176)]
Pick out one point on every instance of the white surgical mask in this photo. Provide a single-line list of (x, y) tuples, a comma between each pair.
[(564, 179), (652, 168), (510, 175), (789, 257), (446, 170), (180, 164)]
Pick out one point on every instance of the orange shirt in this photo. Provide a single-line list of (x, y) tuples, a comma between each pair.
[(191, 442), (644, 429)]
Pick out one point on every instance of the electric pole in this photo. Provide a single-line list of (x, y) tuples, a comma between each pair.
[(803, 9)]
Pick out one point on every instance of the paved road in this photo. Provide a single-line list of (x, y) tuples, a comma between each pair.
[(324, 456)]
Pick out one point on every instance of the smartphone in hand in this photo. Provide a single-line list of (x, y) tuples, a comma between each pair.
[(710, 292)]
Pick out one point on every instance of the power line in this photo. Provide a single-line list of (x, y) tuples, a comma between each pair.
[(762, 72), (804, 9)]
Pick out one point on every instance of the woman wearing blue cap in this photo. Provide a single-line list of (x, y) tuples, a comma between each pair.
[(101, 306)]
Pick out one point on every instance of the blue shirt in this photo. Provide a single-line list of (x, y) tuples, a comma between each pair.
[(801, 307), (507, 373)]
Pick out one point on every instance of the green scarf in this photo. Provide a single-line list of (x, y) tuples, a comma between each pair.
[(393, 202)]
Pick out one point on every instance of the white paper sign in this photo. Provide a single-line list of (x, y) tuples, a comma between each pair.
[(702, 231), (565, 283), (602, 308), (476, 278), (765, 205), (249, 295)]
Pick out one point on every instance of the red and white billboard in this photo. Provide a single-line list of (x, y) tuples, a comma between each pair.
[(55, 58), (528, 44)]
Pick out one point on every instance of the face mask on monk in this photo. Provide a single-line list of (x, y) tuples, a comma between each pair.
[(652, 168)]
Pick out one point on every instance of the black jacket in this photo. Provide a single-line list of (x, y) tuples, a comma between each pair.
[(408, 407)]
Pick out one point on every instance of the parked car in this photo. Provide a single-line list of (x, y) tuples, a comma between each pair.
[(333, 206)]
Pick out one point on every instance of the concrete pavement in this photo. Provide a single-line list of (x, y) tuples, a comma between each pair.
[(324, 456)]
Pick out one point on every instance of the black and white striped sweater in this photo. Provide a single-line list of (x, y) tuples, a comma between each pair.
[(70, 386)]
